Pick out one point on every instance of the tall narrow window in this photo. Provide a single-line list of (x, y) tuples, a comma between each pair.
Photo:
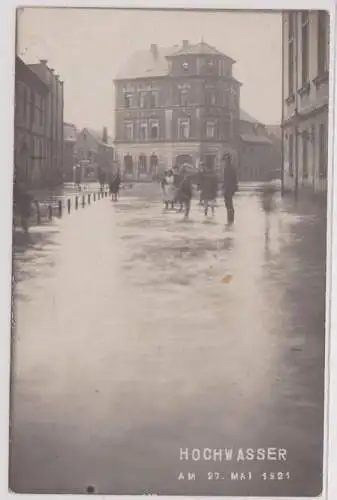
[(154, 99), (183, 128), (291, 155), (210, 97), (143, 131), (210, 129), (183, 97), (128, 131), (154, 127), (323, 150), (305, 47), (142, 100), (305, 170), (323, 43), (127, 100), (291, 51), (142, 163)]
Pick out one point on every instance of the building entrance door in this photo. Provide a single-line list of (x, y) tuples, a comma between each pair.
[(180, 159), (128, 165)]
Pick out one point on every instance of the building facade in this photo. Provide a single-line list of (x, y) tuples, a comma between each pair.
[(94, 152), (175, 105), (30, 143), (53, 124), (305, 100), (69, 137), (259, 150)]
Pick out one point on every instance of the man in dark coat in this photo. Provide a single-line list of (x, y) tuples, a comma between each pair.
[(185, 191), (230, 186), (114, 185)]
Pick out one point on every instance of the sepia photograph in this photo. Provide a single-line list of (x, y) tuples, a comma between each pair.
[(170, 192)]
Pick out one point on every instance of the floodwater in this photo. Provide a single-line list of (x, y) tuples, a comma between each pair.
[(138, 335)]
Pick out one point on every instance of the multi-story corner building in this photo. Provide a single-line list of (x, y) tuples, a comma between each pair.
[(305, 100), (175, 105), (30, 142), (54, 103)]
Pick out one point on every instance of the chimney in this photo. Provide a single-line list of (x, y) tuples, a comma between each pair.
[(185, 44), (43, 61), (154, 50), (105, 135)]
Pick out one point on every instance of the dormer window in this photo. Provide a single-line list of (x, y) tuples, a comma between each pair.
[(185, 66)]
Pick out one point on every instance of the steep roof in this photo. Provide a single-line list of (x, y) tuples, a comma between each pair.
[(154, 62), (97, 135), (144, 63), (69, 132), (246, 117), (201, 48)]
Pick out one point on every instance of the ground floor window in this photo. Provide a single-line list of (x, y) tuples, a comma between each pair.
[(142, 164)]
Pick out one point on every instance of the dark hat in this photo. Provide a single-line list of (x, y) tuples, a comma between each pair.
[(227, 156)]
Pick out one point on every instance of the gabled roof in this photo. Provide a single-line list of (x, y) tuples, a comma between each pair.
[(69, 132), (98, 136)]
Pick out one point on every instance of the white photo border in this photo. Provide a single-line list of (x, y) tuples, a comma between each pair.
[(7, 44)]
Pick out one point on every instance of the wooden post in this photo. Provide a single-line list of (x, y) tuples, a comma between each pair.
[(76, 202), (83, 201), (60, 208), (68, 204), (50, 212), (94, 196), (89, 200)]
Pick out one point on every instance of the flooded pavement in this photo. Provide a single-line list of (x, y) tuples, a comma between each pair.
[(138, 335)]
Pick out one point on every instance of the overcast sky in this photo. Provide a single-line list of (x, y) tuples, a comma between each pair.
[(87, 48)]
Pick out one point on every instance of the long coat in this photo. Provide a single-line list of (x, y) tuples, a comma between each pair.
[(230, 181)]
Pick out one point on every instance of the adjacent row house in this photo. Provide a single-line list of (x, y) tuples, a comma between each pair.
[(305, 100), (38, 148)]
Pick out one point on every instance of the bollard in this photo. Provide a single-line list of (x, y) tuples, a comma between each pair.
[(60, 208), (38, 213), (83, 201), (50, 212), (68, 204), (98, 196), (106, 193), (76, 202), (94, 196), (89, 196)]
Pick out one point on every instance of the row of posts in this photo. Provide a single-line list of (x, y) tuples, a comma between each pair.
[(84, 199)]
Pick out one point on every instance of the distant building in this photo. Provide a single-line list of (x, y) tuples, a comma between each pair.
[(305, 100), (94, 152), (259, 150), (175, 105), (53, 123), (69, 136), (31, 143)]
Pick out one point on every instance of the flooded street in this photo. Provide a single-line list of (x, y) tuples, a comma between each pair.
[(138, 335)]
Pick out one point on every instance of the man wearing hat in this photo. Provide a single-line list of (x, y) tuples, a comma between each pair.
[(230, 185)]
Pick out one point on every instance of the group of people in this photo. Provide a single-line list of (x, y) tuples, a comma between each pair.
[(177, 186)]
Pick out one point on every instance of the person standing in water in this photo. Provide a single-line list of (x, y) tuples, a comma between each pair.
[(230, 186), (209, 188), (169, 190), (185, 192)]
